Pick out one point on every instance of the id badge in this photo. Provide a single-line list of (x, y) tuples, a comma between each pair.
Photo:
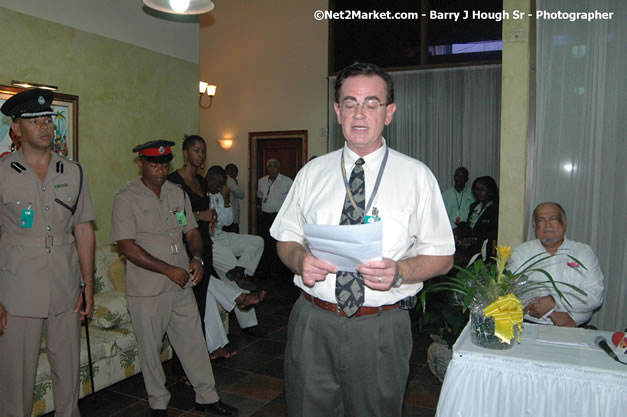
[(180, 218), (26, 220), (372, 219)]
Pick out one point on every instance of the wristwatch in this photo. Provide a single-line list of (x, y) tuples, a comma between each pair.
[(199, 259), (398, 281), (399, 278)]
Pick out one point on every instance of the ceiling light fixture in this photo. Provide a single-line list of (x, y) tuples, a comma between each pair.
[(181, 6)]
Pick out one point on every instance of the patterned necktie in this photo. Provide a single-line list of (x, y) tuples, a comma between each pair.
[(349, 286)]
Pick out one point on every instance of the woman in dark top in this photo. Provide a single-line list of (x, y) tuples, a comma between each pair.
[(482, 224), (195, 186)]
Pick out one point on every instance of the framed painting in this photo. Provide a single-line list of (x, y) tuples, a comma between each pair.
[(65, 122)]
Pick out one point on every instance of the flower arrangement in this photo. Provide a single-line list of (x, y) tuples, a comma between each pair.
[(493, 291)]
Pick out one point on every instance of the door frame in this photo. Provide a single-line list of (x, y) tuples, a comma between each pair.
[(254, 138)]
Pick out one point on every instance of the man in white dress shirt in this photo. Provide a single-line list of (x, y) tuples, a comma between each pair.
[(357, 363), (272, 190), (550, 223)]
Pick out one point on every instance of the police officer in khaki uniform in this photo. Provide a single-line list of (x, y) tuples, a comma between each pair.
[(44, 207), (150, 217)]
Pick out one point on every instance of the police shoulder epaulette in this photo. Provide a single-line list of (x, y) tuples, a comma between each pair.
[(18, 167), (124, 188)]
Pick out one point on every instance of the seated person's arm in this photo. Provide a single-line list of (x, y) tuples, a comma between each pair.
[(225, 214)]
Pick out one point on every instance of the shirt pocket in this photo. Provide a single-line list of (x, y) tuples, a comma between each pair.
[(65, 195), (398, 232), (15, 200)]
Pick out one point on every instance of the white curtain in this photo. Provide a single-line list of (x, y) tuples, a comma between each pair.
[(446, 118), (580, 150)]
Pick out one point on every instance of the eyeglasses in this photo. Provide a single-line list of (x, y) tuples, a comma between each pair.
[(369, 105)]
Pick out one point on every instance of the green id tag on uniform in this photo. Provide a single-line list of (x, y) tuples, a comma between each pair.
[(180, 218), (372, 219), (26, 221)]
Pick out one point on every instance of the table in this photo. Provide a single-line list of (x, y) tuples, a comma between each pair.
[(553, 372)]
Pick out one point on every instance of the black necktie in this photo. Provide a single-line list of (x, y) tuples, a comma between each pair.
[(349, 286)]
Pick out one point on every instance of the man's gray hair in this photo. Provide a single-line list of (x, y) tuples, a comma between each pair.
[(563, 218), (278, 164)]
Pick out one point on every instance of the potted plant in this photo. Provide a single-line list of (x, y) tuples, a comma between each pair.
[(495, 295)]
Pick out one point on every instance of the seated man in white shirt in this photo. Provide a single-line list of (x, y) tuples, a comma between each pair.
[(550, 223), (235, 256)]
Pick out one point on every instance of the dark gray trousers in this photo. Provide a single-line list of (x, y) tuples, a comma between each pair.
[(340, 367)]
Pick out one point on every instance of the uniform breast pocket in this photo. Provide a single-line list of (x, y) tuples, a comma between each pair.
[(64, 195), (398, 232), (15, 201)]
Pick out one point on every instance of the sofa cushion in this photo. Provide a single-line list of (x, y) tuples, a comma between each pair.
[(105, 256), (104, 343), (117, 274), (110, 310)]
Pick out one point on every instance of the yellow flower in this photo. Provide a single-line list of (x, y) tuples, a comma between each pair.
[(504, 253)]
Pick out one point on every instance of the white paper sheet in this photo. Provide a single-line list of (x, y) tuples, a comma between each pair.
[(345, 246), (564, 336)]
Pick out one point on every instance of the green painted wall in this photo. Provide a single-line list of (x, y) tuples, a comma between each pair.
[(127, 95)]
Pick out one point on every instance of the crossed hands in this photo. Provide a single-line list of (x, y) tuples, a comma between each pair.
[(543, 306)]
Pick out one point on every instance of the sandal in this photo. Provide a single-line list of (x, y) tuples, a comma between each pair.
[(250, 300), (221, 354)]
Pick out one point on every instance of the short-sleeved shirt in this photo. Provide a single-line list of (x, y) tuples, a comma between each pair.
[(409, 204), (273, 193), (151, 221), (457, 204), (39, 268)]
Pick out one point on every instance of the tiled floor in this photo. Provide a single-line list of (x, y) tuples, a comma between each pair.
[(253, 380)]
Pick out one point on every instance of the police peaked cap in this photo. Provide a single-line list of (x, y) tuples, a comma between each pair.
[(29, 104), (157, 151)]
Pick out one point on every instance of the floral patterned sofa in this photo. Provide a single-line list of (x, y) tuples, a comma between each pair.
[(113, 344)]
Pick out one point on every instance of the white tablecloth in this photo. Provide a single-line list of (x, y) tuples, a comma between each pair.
[(554, 372)]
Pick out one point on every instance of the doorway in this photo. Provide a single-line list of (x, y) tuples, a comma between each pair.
[(289, 147)]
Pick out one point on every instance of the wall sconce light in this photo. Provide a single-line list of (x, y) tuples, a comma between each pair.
[(226, 143), (28, 84), (210, 90), (181, 6)]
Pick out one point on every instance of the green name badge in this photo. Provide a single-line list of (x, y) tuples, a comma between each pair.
[(372, 219), (26, 221), (180, 218)]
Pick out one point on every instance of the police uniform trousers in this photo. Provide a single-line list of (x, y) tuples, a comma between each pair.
[(19, 352), (175, 313), (224, 292), (228, 247), (341, 367)]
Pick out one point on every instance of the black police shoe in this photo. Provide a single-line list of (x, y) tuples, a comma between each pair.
[(239, 278), (218, 408)]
